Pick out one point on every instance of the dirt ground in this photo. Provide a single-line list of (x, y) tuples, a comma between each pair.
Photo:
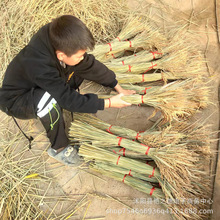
[(110, 199)]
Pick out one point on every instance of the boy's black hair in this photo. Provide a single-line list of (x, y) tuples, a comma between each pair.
[(69, 35)]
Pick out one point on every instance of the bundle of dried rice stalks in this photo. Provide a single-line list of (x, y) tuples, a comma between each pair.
[(98, 123), (106, 159), (171, 54), (153, 137), (181, 209), (169, 155), (174, 62), (139, 57), (176, 207), (179, 99), (143, 78), (136, 33), (180, 163), (110, 50), (174, 100), (195, 135), (140, 168), (136, 183), (191, 72)]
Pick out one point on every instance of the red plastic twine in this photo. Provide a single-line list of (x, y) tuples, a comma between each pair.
[(145, 90), (123, 62), (124, 177), (108, 130), (155, 52), (118, 38), (118, 160), (129, 174), (129, 68), (152, 173), (148, 148), (152, 190), (119, 141), (137, 136), (113, 56), (129, 43), (142, 99), (110, 46), (123, 151), (151, 67)]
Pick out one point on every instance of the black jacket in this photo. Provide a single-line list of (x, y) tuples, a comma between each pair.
[(36, 66)]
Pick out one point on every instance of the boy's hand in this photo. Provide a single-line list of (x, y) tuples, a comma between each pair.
[(119, 89), (116, 102), (127, 92)]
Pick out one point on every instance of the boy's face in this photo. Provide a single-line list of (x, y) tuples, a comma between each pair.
[(72, 60)]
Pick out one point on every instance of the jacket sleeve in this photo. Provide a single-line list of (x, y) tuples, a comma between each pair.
[(48, 79), (91, 69)]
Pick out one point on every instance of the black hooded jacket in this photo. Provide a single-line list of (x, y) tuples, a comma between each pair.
[(36, 66)]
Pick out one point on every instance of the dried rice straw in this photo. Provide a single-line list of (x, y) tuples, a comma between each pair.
[(20, 20), (124, 170), (100, 154), (23, 182), (128, 179), (141, 40), (179, 164), (175, 100), (154, 137)]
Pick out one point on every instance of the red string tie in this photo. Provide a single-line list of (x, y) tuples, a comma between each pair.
[(118, 157), (113, 56), (152, 173), (151, 67), (123, 151), (142, 78), (148, 148), (120, 150), (155, 52), (142, 99), (118, 160), (137, 136), (145, 90), (114, 151), (108, 130), (129, 174), (118, 39), (130, 45), (152, 190), (119, 141), (129, 66), (110, 46), (123, 62), (124, 177)]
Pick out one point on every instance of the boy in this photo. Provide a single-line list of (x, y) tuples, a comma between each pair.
[(42, 80)]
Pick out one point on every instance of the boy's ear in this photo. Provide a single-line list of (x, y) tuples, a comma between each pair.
[(60, 55)]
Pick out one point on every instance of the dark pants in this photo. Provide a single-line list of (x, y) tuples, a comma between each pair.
[(37, 103), (52, 120)]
